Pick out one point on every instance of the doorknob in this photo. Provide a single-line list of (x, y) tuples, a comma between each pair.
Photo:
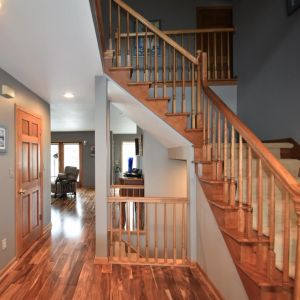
[(22, 192)]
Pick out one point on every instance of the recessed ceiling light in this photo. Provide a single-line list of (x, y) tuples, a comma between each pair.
[(68, 95)]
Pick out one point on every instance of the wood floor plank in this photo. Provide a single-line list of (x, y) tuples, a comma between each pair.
[(61, 265)]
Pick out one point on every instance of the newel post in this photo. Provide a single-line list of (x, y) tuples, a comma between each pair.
[(297, 267)]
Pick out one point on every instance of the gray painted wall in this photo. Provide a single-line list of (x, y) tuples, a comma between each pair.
[(30, 101), (268, 64), (88, 161)]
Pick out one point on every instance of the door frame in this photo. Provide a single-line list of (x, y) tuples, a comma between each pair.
[(18, 109)]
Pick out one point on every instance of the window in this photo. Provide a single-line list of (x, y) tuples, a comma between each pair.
[(72, 155), (65, 154), (128, 150), (54, 161)]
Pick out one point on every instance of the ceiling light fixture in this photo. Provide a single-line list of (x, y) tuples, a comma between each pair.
[(68, 95)]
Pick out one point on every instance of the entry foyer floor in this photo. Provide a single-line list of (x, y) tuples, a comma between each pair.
[(61, 265)]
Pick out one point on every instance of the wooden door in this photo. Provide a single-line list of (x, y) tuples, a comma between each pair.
[(29, 213), (218, 46)]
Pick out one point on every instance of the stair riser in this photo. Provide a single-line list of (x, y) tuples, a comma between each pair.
[(215, 191), (248, 253), (225, 218), (212, 170), (255, 292)]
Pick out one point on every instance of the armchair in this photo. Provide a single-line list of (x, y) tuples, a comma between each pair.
[(65, 182)]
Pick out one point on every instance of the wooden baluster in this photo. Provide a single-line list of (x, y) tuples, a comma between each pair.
[(208, 57), (146, 77), (195, 44), (111, 251), (155, 66), (208, 144), (147, 231), (259, 199), (155, 234), (174, 234), (249, 194), (241, 216), (198, 119), (170, 77), (183, 103), (225, 155), (286, 237), (232, 175), (110, 26), (128, 60), (119, 62), (213, 121), (164, 75), (228, 57), (137, 50), (150, 57), (222, 58), (193, 97), (174, 81), (183, 228), (201, 41), (165, 234), (215, 56), (219, 162), (128, 229), (205, 103), (138, 231), (271, 216), (120, 230)]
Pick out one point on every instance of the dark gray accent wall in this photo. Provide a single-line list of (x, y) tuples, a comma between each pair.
[(31, 102), (88, 171), (268, 64), (173, 14)]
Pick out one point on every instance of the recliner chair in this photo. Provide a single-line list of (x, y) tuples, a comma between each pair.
[(66, 182)]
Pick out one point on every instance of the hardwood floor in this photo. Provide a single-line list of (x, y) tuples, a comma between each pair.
[(61, 265)]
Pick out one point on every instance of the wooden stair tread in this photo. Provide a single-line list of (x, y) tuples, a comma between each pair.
[(261, 279), (240, 237), (113, 69), (212, 181), (178, 114), (193, 130), (159, 99), (148, 83), (223, 205)]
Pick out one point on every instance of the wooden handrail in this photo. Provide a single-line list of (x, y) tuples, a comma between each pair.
[(180, 31), (279, 171), (167, 200), (127, 186), (158, 32)]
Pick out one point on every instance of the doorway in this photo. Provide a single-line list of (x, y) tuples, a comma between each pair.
[(217, 45), (29, 174)]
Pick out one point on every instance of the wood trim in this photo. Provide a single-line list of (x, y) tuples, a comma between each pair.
[(209, 287), (286, 179), (168, 200), (101, 260), (7, 268), (18, 109), (158, 32)]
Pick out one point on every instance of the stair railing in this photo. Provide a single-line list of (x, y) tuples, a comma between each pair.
[(265, 194), (216, 42), (149, 230), (156, 59)]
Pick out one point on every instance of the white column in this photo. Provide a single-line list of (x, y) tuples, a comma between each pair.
[(102, 146)]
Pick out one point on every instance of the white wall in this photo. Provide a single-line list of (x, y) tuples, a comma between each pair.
[(163, 177), (212, 253)]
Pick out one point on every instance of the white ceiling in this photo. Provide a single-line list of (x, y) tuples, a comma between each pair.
[(51, 47)]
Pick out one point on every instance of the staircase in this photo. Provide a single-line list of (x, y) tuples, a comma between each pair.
[(253, 193)]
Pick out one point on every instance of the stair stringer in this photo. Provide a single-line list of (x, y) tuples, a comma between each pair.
[(213, 255)]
